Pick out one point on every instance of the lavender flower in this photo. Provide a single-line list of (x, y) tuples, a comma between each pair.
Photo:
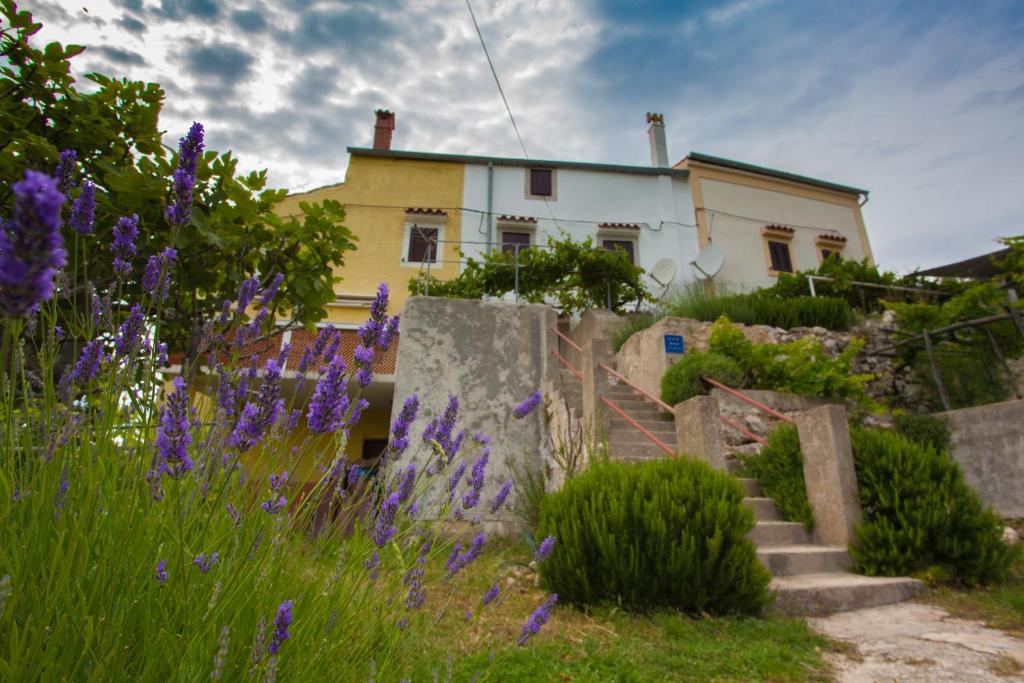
[(31, 246), (276, 502), (459, 560), (476, 481), (125, 233), (281, 623), (270, 293), (527, 406), (400, 429), (156, 278), (161, 354), (502, 495), (128, 334), (357, 412), (184, 176), (364, 376), (83, 209), (545, 548), (161, 572), (373, 565), (406, 483), (481, 438), (332, 343), (234, 514), (491, 594), (260, 415), (372, 329), (384, 526), (363, 355), (173, 435), (88, 363), (537, 619), (440, 430), (454, 478), (246, 293), (65, 171), (329, 400), (101, 314), (389, 334), (206, 563)]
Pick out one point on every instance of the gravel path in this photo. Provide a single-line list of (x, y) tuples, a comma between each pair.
[(915, 642)]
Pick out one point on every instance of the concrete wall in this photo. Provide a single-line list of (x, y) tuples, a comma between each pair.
[(491, 355), (593, 324), (988, 442)]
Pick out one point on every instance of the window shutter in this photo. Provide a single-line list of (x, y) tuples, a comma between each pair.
[(626, 245), (540, 182), (509, 240), (419, 238), (781, 260)]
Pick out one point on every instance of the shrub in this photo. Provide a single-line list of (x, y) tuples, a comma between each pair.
[(926, 430), (761, 308), (668, 533), (682, 380), (632, 324), (918, 512)]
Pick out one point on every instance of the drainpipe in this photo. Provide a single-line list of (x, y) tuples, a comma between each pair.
[(490, 201), (863, 202)]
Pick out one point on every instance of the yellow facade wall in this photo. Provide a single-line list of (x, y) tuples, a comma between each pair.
[(373, 185)]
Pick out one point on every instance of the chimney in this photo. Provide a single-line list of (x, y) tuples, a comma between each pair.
[(656, 133), (386, 126)]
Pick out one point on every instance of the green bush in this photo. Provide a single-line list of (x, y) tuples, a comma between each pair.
[(780, 471), (682, 380), (919, 514), (926, 430), (760, 308), (632, 324), (667, 533)]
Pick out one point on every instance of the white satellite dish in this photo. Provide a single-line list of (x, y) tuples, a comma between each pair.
[(709, 261), (664, 271)]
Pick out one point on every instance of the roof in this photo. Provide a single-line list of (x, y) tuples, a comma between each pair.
[(782, 175), (526, 163), (979, 267)]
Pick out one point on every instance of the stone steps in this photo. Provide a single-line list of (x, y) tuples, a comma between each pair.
[(764, 509), (779, 533), (658, 427), (804, 558), (814, 595)]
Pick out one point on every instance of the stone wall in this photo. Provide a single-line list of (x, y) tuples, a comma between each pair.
[(988, 442), (491, 355)]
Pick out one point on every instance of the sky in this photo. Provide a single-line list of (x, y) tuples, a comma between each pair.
[(922, 103)]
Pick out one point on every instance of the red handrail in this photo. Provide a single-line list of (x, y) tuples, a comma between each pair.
[(657, 401), (743, 397), (742, 430), (568, 365), (653, 439), (568, 341)]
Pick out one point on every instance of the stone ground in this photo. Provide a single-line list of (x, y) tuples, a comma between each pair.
[(915, 642)]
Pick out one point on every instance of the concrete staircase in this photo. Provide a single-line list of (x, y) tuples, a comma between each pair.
[(626, 442)]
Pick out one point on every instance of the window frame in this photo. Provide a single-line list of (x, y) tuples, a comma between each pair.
[(528, 183), (509, 247), (780, 235), (615, 232), (430, 222), (833, 244)]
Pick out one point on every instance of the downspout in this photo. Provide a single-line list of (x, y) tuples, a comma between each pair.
[(490, 201), (861, 204)]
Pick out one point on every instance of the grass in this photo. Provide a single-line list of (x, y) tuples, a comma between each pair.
[(608, 644), (999, 606)]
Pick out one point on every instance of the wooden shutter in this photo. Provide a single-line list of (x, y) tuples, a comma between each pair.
[(509, 240), (625, 245), (540, 182), (419, 238), (779, 253)]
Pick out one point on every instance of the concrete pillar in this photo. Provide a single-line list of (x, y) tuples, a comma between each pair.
[(595, 385), (829, 474), (698, 432)]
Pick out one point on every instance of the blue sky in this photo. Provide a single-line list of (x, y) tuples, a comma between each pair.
[(920, 102)]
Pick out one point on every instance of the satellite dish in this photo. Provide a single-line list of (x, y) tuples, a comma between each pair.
[(709, 261), (664, 271)]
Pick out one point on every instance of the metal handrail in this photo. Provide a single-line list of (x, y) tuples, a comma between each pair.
[(742, 430), (568, 365), (743, 397), (657, 401), (567, 340), (651, 437)]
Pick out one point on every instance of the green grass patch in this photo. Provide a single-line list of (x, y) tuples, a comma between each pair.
[(1000, 605)]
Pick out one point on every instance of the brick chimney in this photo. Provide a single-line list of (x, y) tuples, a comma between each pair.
[(656, 133), (384, 128)]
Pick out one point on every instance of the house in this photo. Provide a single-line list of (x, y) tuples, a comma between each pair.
[(768, 222)]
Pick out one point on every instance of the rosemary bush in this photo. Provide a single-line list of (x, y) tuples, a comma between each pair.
[(150, 528)]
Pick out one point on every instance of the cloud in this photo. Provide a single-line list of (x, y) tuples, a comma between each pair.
[(249, 20), (180, 9), (132, 25), (120, 56), (733, 11), (996, 97), (225, 63)]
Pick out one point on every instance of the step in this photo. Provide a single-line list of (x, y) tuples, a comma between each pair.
[(656, 426), (779, 533), (764, 509), (645, 411), (787, 560), (631, 450), (815, 595), (751, 486), (626, 437)]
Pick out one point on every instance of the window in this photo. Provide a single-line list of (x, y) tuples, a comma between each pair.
[(540, 183), (825, 253), (830, 244), (781, 262), (625, 245), (422, 245), (511, 240)]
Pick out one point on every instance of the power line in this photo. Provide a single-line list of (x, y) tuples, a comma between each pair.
[(753, 219)]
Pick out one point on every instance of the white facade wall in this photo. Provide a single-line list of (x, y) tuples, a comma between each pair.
[(662, 205)]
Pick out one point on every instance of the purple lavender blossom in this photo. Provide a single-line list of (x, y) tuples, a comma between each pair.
[(156, 278), (206, 563), (491, 594), (126, 231), (101, 313), (31, 246), (400, 429), (281, 623), (88, 363), (128, 334), (184, 176), (537, 619), (274, 504), (476, 481), (545, 548), (373, 565), (389, 334), (161, 572), (65, 171), (454, 478), (457, 561), (173, 435), (384, 526), (246, 293), (501, 496), (261, 414), (406, 483), (357, 412), (373, 328), (364, 376), (440, 430), (329, 400), (161, 354), (83, 210), (332, 342), (363, 355), (481, 438), (225, 392), (527, 406), (270, 293)]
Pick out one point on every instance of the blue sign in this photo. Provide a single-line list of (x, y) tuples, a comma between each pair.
[(674, 343)]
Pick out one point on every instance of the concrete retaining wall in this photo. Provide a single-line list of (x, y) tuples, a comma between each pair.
[(491, 355), (988, 442)]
